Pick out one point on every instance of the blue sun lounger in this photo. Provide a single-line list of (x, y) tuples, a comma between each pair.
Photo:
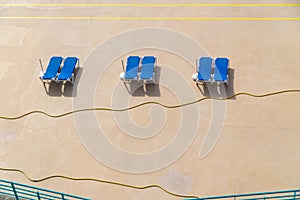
[(147, 69), (67, 72), (52, 69), (132, 67), (204, 70), (221, 70)]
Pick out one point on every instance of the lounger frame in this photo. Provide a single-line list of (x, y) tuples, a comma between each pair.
[(152, 79), (195, 75), (122, 74), (227, 75), (72, 78), (42, 73)]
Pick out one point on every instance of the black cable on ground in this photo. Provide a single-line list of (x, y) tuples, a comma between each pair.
[(99, 181), (146, 103)]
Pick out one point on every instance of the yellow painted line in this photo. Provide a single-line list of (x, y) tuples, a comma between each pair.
[(150, 5), (151, 18)]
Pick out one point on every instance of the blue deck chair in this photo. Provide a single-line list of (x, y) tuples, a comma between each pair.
[(221, 70), (52, 68), (204, 70), (67, 72), (147, 69), (132, 67)]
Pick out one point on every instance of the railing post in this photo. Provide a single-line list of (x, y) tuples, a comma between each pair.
[(38, 195), (295, 194), (62, 196), (14, 190)]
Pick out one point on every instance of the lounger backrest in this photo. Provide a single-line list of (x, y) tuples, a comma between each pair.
[(221, 69), (68, 68), (132, 67), (53, 67), (147, 70), (204, 68)]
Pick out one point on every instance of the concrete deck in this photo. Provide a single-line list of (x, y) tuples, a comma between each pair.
[(211, 148)]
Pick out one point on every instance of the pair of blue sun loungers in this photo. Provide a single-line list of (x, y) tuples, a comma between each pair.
[(210, 70), (53, 72), (139, 69)]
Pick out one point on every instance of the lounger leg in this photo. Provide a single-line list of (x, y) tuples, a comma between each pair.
[(72, 79)]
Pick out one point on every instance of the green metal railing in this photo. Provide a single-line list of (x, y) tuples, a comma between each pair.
[(21, 191), (281, 194)]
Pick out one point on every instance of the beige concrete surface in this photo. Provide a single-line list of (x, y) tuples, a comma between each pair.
[(258, 146)]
